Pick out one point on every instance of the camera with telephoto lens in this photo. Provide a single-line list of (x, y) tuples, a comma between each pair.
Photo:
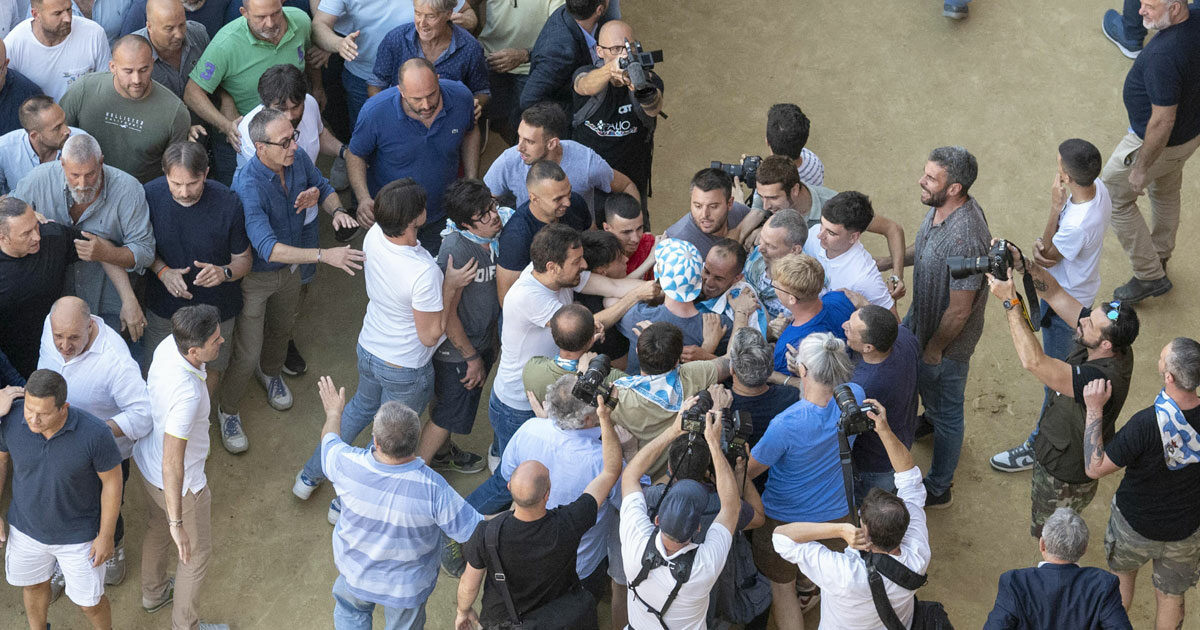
[(635, 64), (590, 383), (997, 262), (854, 416), (747, 171), (736, 426)]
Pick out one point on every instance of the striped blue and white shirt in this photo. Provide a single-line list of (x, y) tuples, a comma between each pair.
[(386, 542)]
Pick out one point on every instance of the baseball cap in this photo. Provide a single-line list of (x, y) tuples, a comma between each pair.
[(677, 265), (681, 509)]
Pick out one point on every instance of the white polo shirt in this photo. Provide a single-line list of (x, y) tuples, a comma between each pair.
[(1079, 239), (104, 381), (310, 129), (854, 269), (399, 279), (180, 405)]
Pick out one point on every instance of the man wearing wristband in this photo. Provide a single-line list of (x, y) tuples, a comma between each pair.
[(275, 187)]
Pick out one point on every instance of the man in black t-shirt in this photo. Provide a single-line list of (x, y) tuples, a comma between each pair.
[(1156, 510), (1102, 350), (536, 546)]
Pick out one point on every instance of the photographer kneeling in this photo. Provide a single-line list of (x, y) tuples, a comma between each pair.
[(892, 524), (801, 448)]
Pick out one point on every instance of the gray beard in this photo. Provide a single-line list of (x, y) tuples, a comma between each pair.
[(83, 196)]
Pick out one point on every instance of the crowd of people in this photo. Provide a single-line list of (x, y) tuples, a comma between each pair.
[(671, 411)]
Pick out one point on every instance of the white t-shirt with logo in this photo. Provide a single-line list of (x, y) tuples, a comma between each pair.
[(55, 68), (1079, 239), (855, 270), (399, 279)]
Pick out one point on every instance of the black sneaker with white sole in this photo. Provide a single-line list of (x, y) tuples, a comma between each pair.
[(457, 460), (937, 501), (293, 363)]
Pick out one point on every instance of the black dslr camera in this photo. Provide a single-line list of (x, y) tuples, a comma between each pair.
[(635, 64), (854, 416), (736, 426), (747, 171), (997, 262), (590, 383)]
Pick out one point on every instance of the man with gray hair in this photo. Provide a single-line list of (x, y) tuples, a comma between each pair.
[(394, 507), (784, 233), (752, 362), (1058, 593), (1156, 510), (109, 206)]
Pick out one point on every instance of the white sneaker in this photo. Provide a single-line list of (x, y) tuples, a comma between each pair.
[(304, 487), (233, 438), (214, 626), (1015, 459), (339, 179), (493, 459), (278, 394), (114, 567), (335, 511)]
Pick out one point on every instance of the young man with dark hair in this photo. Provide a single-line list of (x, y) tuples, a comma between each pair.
[(623, 218), (713, 211), (836, 245), (787, 133), (566, 42)]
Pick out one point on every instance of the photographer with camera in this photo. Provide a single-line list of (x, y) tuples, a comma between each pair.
[(574, 331), (1103, 349), (892, 525), (800, 447), (671, 577)]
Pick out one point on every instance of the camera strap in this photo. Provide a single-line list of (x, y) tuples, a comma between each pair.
[(1030, 307)]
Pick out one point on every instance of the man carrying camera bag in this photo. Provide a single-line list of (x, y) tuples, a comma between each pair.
[(892, 525)]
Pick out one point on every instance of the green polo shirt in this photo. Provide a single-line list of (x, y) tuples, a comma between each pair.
[(236, 58)]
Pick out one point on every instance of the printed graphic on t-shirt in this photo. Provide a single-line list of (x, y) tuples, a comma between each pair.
[(128, 123), (618, 129)]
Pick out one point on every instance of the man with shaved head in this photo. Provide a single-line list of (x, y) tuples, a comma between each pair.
[(422, 129), (54, 48), (14, 89), (133, 117), (103, 380), (177, 42)]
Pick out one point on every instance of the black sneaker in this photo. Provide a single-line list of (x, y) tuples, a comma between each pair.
[(937, 501), (451, 558), (1137, 290), (457, 460), (294, 364)]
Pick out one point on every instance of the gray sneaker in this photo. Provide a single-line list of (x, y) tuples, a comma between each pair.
[(155, 606), (452, 560), (114, 568), (278, 394), (1015, 459), (233, 438), (58, 584)]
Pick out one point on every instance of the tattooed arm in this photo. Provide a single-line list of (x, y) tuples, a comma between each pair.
[(1095, 461)]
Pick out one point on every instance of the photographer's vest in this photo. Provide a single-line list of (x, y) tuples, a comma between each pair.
[(1058, 446)]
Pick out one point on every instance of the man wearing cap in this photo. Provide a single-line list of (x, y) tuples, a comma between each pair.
[(655, 552)]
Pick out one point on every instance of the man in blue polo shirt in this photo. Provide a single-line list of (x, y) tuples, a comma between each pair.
[(66, 496), (275, 187), (419, 130), (14, 89)]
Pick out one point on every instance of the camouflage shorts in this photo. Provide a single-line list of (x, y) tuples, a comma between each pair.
[(1049, 494), (1176, 563)]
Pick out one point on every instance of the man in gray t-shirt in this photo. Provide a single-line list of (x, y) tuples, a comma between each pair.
[(946, 313), (461, 364), (712, 212)]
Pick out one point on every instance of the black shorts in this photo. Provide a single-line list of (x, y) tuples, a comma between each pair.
[(454, 406)]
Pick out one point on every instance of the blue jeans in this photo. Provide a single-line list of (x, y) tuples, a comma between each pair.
[(352, 613), (356, 95), (1057, 339), (1135, 32), (492, 496), (378, 382), (864, 481), (505, 421), (942, 388)]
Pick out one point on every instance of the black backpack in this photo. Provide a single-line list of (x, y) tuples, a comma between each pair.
[(681, 570)]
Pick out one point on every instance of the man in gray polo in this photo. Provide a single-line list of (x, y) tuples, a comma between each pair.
[(176, 41)]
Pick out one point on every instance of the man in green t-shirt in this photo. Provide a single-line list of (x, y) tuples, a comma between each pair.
[(133, 117), (574, 330)]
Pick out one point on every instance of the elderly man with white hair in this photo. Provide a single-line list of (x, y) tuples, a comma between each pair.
[(109, 206)]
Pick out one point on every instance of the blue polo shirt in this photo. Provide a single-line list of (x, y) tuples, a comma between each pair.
[(56, 487), (462, 61), (395, 145), (212, 231), (16, 89), (270, 213), (518, 233)]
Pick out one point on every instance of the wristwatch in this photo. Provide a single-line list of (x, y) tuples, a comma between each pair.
[(1012, 303), (228, 273), (342, 152)]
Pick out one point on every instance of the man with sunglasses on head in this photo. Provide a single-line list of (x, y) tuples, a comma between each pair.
[(1102, 349)]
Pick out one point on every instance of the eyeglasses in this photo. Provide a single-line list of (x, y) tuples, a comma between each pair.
[(493, 208), (285, 143), (779, 290), (612, 50)]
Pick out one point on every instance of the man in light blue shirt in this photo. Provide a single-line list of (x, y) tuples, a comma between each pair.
[(40, 140)]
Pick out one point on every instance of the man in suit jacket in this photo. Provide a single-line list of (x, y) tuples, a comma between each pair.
[(567, 41), (1058, 593)]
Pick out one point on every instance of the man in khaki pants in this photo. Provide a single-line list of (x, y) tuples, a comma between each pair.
[(171, 460), (1162, 98)]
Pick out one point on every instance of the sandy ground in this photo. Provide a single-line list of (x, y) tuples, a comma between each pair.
[(884, 82)]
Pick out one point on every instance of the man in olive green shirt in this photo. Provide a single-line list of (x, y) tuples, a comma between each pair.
[(133, 117), (574, 330)]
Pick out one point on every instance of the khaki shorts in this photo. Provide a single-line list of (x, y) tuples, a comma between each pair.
[(1048, 494), (1176, 563), (773, 565)]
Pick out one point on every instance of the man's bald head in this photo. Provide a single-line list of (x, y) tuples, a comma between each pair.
[(132, 47), (417, 71), (611, 35), (71, 326), (530, 484), (418, 85), (166, 24)]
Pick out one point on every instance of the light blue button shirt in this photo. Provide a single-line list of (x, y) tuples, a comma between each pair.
[(17, 157)]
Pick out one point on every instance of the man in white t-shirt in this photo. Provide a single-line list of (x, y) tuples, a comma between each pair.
[(546, 285), (836, 245), (1069, 249), (405, 321), (172, 459), (54, 47)]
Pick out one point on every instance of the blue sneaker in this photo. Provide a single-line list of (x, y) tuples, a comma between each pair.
[(335, 511), (451, 557), (1114, 29), (304, 487), (233, 438)]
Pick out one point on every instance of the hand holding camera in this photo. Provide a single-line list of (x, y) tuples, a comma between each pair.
[(877, 414), (855, 418), (590, 387)]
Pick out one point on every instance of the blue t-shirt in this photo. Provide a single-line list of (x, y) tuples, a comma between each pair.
[(801, 449), (1165, 73), (894, 384), (836, 309), (518, 233), (16, 89), (211, 15), (395, 145), (462, 61), (211, 231), (691, 327), (56, 487)]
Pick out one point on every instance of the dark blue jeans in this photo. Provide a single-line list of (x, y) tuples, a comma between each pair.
[(505, 421), (492, 496), (1135, 33), (943, 389)]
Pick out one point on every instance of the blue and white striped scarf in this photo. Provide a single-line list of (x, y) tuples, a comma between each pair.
[(664, 390), (493, 243), (1181, 444)]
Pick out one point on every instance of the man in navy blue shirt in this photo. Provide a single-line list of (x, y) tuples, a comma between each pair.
[(276, 186), (422, 130), (567, 41), (66, 497), (1162, 98), (14, 89), (211, 14)]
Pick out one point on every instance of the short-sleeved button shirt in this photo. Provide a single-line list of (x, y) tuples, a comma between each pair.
[(462, 60), (56, 487), (236, 59)]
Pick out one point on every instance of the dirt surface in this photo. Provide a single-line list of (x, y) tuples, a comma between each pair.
[(884, 82)]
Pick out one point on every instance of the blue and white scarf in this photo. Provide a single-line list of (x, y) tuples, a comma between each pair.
[(759, 276), (664, 390), (570, 365), (493, 243), (1181, 444), (721, 306)]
